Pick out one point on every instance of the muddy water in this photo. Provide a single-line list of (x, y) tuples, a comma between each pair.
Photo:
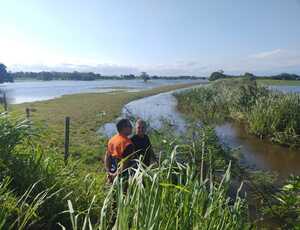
[(260, 154), (256, 154)]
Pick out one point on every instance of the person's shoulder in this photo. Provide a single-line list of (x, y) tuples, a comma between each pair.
[(114, 138)]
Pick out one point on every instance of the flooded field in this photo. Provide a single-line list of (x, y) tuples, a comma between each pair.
[(29, 91), (286, 88)]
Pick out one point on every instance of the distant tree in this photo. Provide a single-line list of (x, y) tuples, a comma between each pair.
[(3, 73), (216, 75), (128, 77), (145, 76), (249, 75)]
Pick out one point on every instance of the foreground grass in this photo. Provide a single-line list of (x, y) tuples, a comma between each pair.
[(38, 192), (87, 112), (278, 82)]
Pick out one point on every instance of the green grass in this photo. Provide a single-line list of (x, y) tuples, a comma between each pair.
[(37, 191), (267, 114), (278, 82)]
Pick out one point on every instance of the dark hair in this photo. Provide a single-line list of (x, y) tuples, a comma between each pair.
[(122, 123)]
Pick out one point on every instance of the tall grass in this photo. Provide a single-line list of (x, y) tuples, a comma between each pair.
[(268, 114), (39, 179), (172, 197), (187, 189), (277, 115), (183, 191)]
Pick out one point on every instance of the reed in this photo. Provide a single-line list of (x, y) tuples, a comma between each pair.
[(269, 114)]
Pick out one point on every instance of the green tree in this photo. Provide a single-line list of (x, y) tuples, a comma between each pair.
[(3, 73), (216, 75), (145, 76)]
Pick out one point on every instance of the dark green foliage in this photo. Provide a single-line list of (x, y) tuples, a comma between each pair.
[(4, 75), (283, 76), (285, 208), (216, 75), (84, 76)]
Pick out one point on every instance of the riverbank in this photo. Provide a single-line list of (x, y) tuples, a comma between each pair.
[(267, 114), (271, 115)]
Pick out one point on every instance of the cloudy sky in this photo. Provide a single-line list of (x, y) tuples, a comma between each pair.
[(165, 37)]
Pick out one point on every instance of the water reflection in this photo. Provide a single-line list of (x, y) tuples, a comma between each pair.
[(286, 88), (28, 91), (260, 154)]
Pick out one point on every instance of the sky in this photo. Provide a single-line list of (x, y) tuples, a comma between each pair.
[(161, 37)]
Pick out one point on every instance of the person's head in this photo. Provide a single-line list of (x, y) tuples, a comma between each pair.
[(124, 127), (140, 127)]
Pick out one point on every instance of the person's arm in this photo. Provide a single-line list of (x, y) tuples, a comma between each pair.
[(107, 161), (107, 165)]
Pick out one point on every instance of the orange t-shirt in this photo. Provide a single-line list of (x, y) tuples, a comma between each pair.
[(117, 145)]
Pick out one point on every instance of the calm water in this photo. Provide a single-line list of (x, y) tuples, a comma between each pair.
[(286, 88), (256, 154), (28, 91), (155, 109), (260, 154)]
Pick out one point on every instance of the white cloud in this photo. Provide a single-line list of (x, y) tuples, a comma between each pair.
[(268, 62), (267, 54), (21, 55)]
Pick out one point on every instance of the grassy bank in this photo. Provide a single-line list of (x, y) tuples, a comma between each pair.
[(267, 114)]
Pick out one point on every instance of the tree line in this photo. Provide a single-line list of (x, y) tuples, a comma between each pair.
[(283, 76), (6, 76)]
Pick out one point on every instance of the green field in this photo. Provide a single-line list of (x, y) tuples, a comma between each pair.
[(279, 82)]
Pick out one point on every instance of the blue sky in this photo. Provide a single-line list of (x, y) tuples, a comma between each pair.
[(166, 37)]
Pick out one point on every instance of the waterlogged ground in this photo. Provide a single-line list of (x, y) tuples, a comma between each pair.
[(286, 88), (29, 91), (156, 110), (256, 154)]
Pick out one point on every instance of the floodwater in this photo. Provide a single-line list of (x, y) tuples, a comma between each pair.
[(260, 154), (286, 88), (29, 91), (256, 154), (156, 110)]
